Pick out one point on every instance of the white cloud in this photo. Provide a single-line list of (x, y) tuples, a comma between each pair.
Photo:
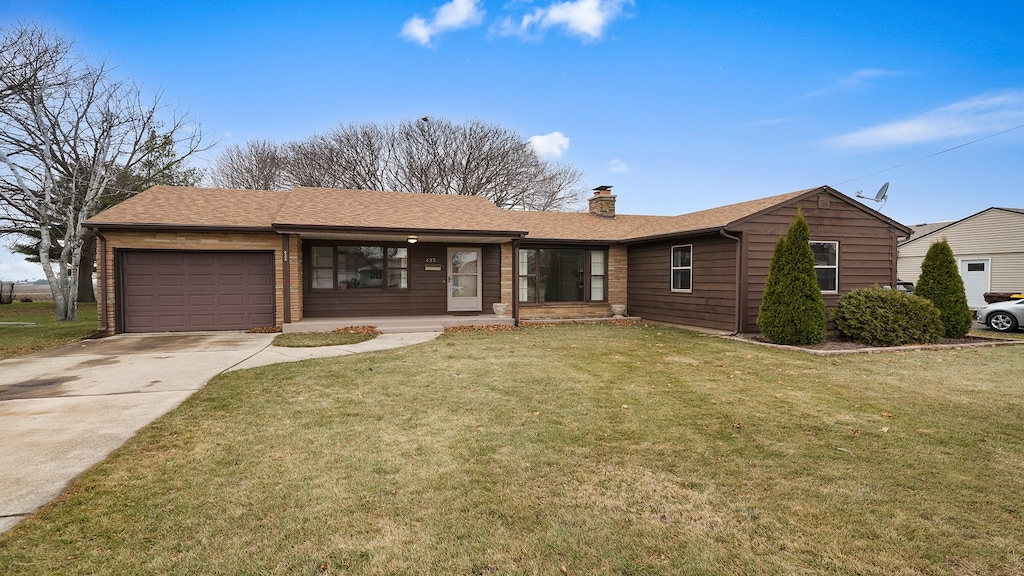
[(551, 145), (979, 115), (586, 18), (450, 16), (617, 166), (853, 80)]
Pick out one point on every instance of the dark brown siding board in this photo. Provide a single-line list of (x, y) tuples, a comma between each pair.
[(491, 282), (172, 291), (711, 304), (865, 248), (427, 294)]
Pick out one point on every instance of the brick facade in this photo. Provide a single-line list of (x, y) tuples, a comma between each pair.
[(113, 240), (617, 277), (507, 282)]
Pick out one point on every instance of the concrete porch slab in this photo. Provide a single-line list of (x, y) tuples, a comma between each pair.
[(398, 324)]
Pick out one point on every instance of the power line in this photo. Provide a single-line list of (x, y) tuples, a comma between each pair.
[(933, 155)]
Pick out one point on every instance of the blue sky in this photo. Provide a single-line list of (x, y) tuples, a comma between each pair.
[(679, 105)]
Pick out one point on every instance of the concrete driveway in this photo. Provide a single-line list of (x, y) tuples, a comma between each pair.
[(64, 410)]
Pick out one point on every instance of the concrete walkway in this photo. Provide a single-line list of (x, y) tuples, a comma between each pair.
[(66, 409)]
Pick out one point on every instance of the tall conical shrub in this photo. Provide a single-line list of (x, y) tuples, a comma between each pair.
[(792, 309), (940, 282)]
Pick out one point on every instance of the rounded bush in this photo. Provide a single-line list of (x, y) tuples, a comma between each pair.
[(881, 317)]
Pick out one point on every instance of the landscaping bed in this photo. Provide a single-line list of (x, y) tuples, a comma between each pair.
[(835, 344)]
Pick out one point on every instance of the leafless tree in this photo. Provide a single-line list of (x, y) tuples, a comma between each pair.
[(256, 165), (433, 156), (69, 132)]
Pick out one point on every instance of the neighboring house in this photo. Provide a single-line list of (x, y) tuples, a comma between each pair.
[(922, 229), (988, 246), (174, 259)]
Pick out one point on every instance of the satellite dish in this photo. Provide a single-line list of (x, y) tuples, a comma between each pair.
[(881, 196), (882, 193)]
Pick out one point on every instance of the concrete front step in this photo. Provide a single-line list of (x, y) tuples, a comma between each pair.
[(396, 325)]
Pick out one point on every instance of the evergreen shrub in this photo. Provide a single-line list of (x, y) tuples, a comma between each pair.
[(940, 282), (792, 310), (881, 317)]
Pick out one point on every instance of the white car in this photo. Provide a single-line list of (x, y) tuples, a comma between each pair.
[(1002, 316)]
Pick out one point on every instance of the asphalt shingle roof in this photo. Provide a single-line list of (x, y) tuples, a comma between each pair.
[(365, 209), (326, 207), (181, 206)]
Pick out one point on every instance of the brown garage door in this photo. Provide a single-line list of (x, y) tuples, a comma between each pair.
[(176, 291)]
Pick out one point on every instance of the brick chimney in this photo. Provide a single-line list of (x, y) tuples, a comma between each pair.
[(602, 202)]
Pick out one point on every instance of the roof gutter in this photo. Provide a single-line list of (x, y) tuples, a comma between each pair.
[(668, 235), (738, 304), (299, 228), (164, 227)]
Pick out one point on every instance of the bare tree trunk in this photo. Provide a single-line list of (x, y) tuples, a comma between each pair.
[(85, 290)]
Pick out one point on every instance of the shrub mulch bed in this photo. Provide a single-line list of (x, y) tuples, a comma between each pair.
[(834, 345)]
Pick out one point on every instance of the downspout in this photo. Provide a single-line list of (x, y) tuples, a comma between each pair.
[(102, 284), (515, 282), (893, 250), (738, 304)]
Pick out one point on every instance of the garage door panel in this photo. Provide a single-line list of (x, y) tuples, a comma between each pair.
[(185, 291), (261, 280), (231, 299), (141, 280), (265, 319), (170, 300), (201, 280), (260, 300), (170, 321), (176, 280), (200, 300), (231, 280)]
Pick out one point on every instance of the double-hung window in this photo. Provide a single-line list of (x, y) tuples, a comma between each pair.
[(359, 267), (682, 268), (826, 265), (563, 275)]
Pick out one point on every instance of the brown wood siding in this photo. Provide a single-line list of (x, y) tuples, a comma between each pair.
[(426, 295), (711, 303), (867, 248)]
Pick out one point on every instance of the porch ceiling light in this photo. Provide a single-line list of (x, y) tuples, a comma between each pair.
[(412, 239)]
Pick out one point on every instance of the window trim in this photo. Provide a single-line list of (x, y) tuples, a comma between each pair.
[(313, 268), (535, 277), (384, 247), (826, 266), (672, 269)]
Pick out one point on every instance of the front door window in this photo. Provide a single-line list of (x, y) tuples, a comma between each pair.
[(464, 280)]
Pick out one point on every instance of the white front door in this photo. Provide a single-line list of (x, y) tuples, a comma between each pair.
[(976, 275), (464, 282)]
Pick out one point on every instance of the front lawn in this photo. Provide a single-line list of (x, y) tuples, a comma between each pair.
[(37, 327), (564, 450)]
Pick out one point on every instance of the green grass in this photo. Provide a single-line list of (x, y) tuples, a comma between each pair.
[(45, 331), (311, 339), (564, 450)]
